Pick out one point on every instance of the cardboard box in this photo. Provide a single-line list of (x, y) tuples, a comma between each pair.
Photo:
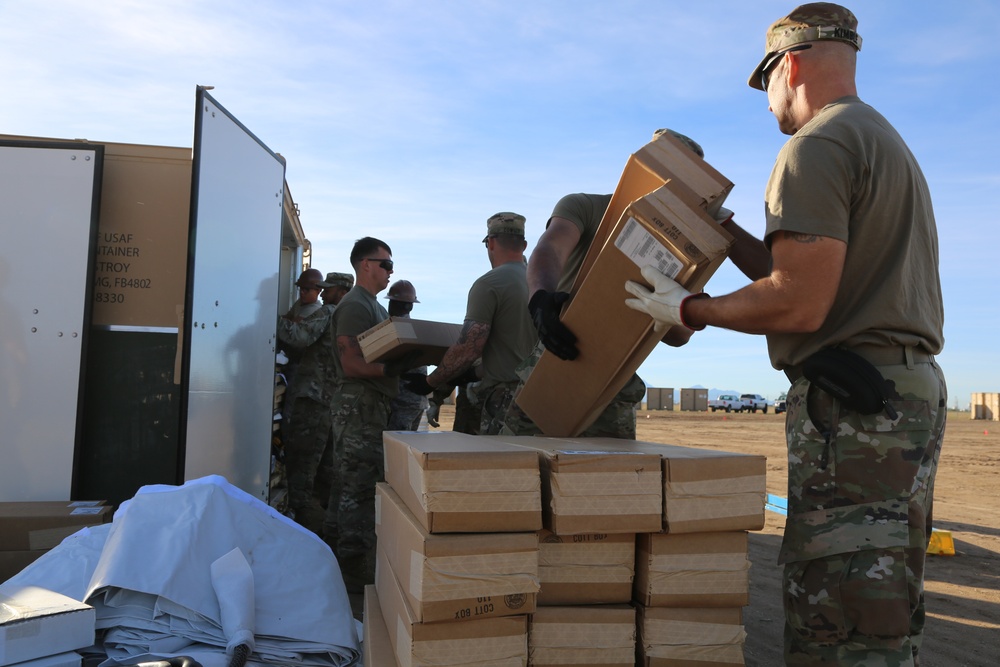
[(663, 229), (598, 636), (459, 576), (34, 526), (12, 562), (459, 483), (376, 645), (397, 336), (501, 640), (595, 490), (35, 623), (585, 569), (70, 659), (673, 637), (706, 490), (692, 570), (662, 160)]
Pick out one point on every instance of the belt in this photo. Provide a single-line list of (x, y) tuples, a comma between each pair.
[(878, 355)]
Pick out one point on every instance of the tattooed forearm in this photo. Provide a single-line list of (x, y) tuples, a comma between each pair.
[(463, 353)]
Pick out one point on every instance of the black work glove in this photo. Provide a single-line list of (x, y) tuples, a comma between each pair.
[(544, 307), (415, 383), (402, 364), (467, 376)]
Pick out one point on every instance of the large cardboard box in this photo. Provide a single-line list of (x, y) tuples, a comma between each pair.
[(595, 490), (458, 576), (397, 336), (498, 641), (376, 645), (12, 562), (675, 637), (35, 623), (38, 526), (585, 569), (706, 490), (598, 636), (663, 229), (692, 570), (459, 483), (69, 659)]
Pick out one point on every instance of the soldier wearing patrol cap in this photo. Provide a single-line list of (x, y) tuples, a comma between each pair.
[(848, 271), (335, 286), (497, 327)]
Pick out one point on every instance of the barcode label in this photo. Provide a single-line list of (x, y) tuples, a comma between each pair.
[(644, 250)]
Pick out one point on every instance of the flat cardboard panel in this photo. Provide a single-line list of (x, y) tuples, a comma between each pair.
[(459, 483), (692, 570), (672, 637), (377, 646), (585, 569), (35, 622), (69, 659), (398, 336), (456, 577), (12, 562), (594, 490), (661, 229), (33, 526), (602, 636), (503, 639)]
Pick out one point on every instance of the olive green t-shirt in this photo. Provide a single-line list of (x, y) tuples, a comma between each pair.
[(500, 298), (356, 313), (585, 211), (848, 175)]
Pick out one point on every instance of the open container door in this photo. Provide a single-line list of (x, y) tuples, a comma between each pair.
[(50, 197), (231, 306)]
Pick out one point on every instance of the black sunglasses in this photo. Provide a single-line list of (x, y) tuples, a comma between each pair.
[(765, 74), (383, 263)]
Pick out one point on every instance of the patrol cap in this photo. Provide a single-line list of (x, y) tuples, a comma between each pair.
[(402, 290), (309, 278), (337, 280), (816, 21), (687, 141), (508, 223)]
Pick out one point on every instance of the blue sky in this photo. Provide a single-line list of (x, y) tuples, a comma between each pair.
[(414, 121)]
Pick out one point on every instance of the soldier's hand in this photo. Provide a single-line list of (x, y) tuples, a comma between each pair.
[(469, 375), (545, 307), (416, 383), (402, 364), (433, 410), (664, 303)]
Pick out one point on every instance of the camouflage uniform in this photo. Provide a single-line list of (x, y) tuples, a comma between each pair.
[(407, 408), (616, 421), (860, 491), (468, 410), (306, 426)]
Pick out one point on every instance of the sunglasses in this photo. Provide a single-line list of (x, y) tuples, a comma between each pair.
[(383, 263), (765, 74)]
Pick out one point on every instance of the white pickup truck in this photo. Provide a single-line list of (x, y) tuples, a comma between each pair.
[(727, 402), (754, 402)]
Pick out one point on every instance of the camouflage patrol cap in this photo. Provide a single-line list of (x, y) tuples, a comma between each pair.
[(687, 141), (337, 280), (511, 224), (816, 21)]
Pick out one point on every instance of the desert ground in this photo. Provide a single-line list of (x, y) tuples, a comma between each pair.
[(962, 591)]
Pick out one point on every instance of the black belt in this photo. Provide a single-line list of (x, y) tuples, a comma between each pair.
[(878, 355)]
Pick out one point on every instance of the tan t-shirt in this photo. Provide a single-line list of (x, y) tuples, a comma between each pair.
[(500, 298), (356, 313)]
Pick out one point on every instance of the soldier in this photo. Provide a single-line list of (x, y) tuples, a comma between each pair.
[(361, 412), (407, 408), (846, 289), (335, 287), (497, 327), (552, 270)]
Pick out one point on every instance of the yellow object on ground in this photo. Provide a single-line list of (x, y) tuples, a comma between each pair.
[(941, 543)]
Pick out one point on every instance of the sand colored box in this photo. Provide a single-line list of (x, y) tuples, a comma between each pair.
[(692, 570), (376, 646), (585, 569), (457, 576), (675, 637), (34, 526), (597, 636), (397, 336), (459, 483)]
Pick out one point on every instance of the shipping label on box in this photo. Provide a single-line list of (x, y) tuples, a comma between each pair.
[(676, 637), (587, 488), (458, 576), (397, 336), (692, 570), (459, 483), (662, 229), (582, 636), (585, 569), (501, 641), (41, 525)]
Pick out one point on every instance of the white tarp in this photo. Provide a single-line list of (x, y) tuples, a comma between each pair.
[(152, 583)]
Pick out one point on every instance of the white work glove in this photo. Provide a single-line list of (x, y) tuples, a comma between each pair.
[(433, 411), (664, 304), (723, 215)]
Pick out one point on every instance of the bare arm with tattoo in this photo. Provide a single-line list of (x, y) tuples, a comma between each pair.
[(352, 360), (460, 356)]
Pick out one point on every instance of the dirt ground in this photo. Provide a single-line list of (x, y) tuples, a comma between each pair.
[(962, 591)]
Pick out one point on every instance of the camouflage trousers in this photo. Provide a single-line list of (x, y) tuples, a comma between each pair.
[(468, 412), (617, 420), (305, 434), (496, 400), (405, 411), (860, 493), (360, 415)]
